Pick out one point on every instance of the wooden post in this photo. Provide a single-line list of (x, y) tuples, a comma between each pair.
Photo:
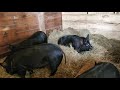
[(41, 21)]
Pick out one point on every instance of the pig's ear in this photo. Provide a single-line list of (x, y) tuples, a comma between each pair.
[(87, 37)]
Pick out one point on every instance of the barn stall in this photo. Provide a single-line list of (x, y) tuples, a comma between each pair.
[(103, 28)]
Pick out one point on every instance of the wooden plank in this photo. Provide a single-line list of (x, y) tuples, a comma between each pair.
[(73, 13), (3, 39), (104, 23), (53, 20), (17, 26), (101, 12), (98, 18), (41, 20)]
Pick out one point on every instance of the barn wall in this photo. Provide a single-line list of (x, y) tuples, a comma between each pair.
[(105, 23), (17, 26), (53, 20)]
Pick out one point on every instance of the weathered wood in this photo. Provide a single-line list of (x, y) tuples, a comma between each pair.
[(15, 26), (105, 23), (53, 20), (41, 22)]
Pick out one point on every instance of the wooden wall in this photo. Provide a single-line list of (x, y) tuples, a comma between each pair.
[(53, 20), (105, 23), (17, 26)]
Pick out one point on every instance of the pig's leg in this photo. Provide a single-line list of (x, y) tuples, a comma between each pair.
[(53, 65), (21, 72)]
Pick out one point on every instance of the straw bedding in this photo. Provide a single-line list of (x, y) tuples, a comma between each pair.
[(105, 50)]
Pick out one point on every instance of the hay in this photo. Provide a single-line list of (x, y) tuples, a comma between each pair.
[(105, 50), (115, 50), (98, 51), (56, 34), (79, 32), (101, 40)]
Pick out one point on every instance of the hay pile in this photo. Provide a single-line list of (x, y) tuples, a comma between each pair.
[(105, 50), (97, 53)]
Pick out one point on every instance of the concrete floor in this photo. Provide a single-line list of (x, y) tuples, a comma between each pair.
[(107, 24)]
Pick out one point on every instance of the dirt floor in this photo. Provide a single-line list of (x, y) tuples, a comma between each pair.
[(105, 50)]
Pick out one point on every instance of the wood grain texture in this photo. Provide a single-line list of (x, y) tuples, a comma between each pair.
[(16, 26)]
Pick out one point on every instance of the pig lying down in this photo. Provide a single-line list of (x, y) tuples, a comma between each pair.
[(78, 43), (38, 37), (37, 56), (101, 70)]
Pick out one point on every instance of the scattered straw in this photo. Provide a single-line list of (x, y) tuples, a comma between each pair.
[(105, 50)]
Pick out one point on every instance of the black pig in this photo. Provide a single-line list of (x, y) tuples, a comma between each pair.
[(78, 43), (101, 70), (37, 56), (37, 38)]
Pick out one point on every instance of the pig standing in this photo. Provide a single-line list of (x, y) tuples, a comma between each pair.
[(37, 56), (78, 43)]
